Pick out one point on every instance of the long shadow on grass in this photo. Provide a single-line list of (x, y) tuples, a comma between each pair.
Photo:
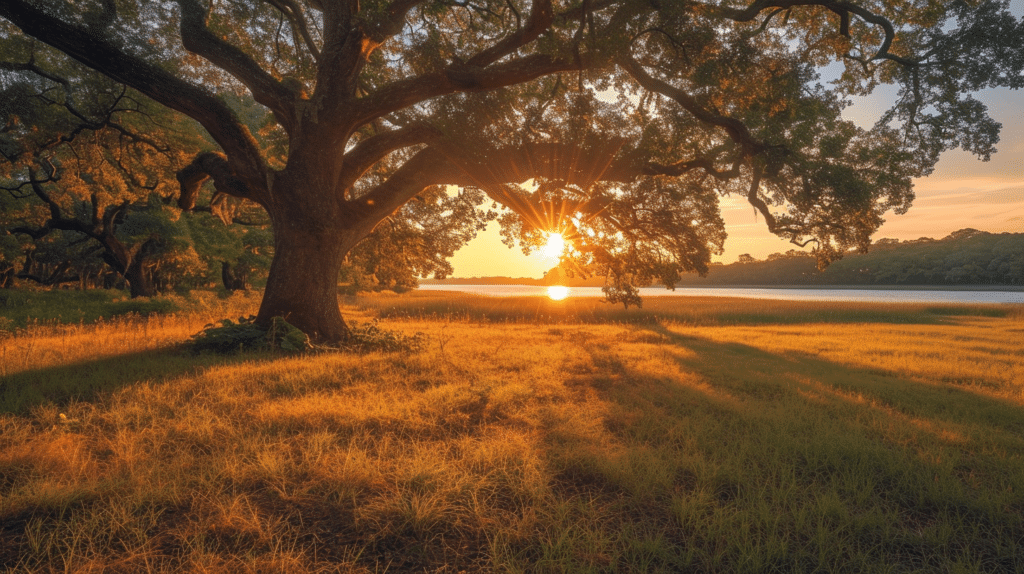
[(743, 459), (84, 380), (758, 374)]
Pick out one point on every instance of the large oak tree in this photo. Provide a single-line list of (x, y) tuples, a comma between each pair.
[(629, 118)]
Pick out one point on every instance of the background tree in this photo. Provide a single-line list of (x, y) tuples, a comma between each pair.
[(377, 100), (87, 169), (236, 244)]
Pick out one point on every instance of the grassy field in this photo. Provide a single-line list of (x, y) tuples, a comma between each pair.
[(695, 435)]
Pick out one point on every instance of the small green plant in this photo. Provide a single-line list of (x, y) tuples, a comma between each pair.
[(143, 307), (371, 337), (227, 336)]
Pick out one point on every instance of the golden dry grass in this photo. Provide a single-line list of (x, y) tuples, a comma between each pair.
[(684, 437)]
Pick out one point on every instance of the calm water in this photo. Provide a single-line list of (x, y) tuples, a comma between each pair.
[(870, 295)]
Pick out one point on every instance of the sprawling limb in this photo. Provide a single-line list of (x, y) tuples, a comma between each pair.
[(205, 166), (94, 49), (128, 262), (197, 38), (371, 150), (459, 77), (541, 17), (841, 8), (426, 168), (735, 128)]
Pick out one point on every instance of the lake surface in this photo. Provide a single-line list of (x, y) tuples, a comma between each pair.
[(842, 294)]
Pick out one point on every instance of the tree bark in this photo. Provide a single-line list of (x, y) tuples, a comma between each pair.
[(302, 286), (140, 281)]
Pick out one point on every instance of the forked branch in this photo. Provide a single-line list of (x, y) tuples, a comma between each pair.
[(297, 20), (205, 166)]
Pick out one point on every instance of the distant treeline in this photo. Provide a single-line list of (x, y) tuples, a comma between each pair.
[(965, 257), (550, 279)]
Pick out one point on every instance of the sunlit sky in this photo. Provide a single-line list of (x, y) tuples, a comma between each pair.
[(962, 192)]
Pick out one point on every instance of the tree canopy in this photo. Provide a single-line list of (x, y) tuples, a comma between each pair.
[(618, 123)]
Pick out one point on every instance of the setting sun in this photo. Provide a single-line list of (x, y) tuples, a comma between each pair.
[(555, 246), (558, 292)]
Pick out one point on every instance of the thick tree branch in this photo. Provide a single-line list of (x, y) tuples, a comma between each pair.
[(97, 52), (459, 77), (37, 188), (425, 169), (707, 163), (101, 228), (375, 148), (205, 166), (541, 17), (33, 232), (736, 129), (754, 198), (197, 38), (498, 173)]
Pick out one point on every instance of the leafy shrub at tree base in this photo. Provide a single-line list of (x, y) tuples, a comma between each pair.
[(227, 336)]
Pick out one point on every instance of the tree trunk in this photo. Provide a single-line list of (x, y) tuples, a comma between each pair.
[(234, 278), (303, 283), (139, 282), (6, 275)]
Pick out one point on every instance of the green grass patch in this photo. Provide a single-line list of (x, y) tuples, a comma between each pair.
[(19, 308)]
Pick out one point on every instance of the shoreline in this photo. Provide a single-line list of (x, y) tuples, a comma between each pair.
[(993, 288)]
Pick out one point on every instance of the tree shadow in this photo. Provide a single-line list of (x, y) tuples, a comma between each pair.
[(832, 462), (820, 379), (86, 380)]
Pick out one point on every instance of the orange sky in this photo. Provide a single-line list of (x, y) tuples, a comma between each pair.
[(962, 192)]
